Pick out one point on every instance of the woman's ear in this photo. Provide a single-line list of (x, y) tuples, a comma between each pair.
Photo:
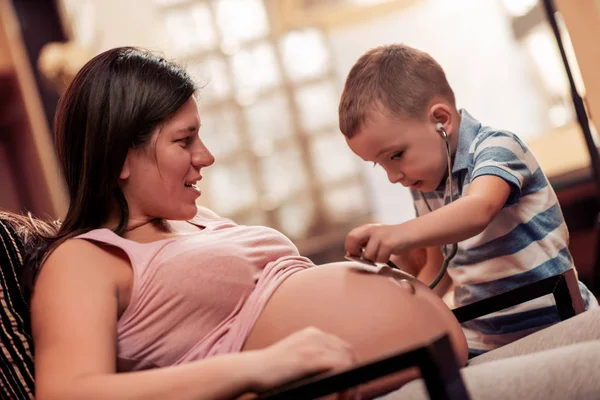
[(441, 113), (125, 172)]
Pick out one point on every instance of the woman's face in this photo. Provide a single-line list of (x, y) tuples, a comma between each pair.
[(159, 179)]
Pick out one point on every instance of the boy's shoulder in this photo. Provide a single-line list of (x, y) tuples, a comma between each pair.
[(482, 145), (490, 136), (500, 145), (473, 134)]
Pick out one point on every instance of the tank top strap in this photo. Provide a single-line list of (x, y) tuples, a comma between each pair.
[(140, 254)]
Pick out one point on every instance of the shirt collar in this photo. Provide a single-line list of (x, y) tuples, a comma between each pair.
[(468, 130)]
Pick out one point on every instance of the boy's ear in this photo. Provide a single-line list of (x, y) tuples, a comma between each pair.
[(125, 172), (441, 113)]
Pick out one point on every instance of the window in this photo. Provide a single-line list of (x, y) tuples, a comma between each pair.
[(268, 105), (269, 114)]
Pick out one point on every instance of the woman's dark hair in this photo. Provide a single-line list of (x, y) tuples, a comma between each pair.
[(114, 103)]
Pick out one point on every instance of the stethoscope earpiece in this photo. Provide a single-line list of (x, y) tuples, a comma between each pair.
[(440, 128)]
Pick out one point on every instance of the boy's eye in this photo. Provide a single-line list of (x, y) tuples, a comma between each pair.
[(397, 155)]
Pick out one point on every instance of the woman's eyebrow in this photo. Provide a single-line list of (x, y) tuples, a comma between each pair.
[(191, 128)]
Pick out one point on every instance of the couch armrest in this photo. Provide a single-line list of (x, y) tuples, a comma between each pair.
[(563, 286), (436, 361)]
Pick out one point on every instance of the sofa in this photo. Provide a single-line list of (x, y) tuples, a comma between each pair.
[(441, 378)]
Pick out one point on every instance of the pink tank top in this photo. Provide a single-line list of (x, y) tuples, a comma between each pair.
[(198, 295)]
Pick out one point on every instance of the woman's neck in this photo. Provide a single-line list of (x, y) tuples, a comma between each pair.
[(136, 222)]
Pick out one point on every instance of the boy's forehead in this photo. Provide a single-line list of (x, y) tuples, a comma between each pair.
[(383, 133), (371, 140)]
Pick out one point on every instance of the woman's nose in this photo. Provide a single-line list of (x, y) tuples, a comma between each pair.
[(202, 157)]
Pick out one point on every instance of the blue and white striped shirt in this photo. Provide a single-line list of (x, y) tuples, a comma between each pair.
[(527, 241)]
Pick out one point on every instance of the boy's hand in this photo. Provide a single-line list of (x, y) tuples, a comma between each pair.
[(462, 219), (378, 241)]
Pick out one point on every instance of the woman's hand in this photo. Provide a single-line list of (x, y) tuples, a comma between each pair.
[(303, 353)]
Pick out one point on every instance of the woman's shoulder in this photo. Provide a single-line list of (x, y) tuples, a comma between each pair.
[(89, 248), (78, 248), (84, 259)]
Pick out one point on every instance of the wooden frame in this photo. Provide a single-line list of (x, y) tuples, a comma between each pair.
[(31, 168), (332, 14), (435, 360), (563, 287)]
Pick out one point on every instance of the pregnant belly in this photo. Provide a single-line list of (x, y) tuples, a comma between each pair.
[(376, 313)]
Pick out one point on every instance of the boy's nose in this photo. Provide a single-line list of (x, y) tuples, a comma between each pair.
[(394, 176)]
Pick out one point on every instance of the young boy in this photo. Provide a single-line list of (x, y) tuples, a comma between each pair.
[(395, 110)]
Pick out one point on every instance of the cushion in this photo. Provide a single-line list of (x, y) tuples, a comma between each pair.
[(16, 344)]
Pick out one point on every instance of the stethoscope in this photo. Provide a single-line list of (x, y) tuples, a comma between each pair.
[(448, 255)]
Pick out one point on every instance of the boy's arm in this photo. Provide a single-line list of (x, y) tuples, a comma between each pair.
[(460, 220)]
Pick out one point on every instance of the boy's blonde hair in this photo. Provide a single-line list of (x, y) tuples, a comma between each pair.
[(399, 78)]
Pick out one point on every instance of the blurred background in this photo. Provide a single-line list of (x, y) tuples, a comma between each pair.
[(272, 72)]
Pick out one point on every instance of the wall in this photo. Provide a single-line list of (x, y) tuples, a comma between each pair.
[(471, 39), (489, 72), (582, 19)]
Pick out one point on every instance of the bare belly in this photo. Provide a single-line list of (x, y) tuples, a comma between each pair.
[(377, 314)]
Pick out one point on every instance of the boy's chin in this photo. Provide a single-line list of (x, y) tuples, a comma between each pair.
[(428, 187)]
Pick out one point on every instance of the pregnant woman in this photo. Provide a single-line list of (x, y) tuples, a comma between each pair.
[(140, 294)]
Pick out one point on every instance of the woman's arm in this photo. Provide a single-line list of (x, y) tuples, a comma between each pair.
[(74, 313)]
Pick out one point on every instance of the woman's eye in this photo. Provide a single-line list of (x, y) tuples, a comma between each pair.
[(186, 140), (396, 156)]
